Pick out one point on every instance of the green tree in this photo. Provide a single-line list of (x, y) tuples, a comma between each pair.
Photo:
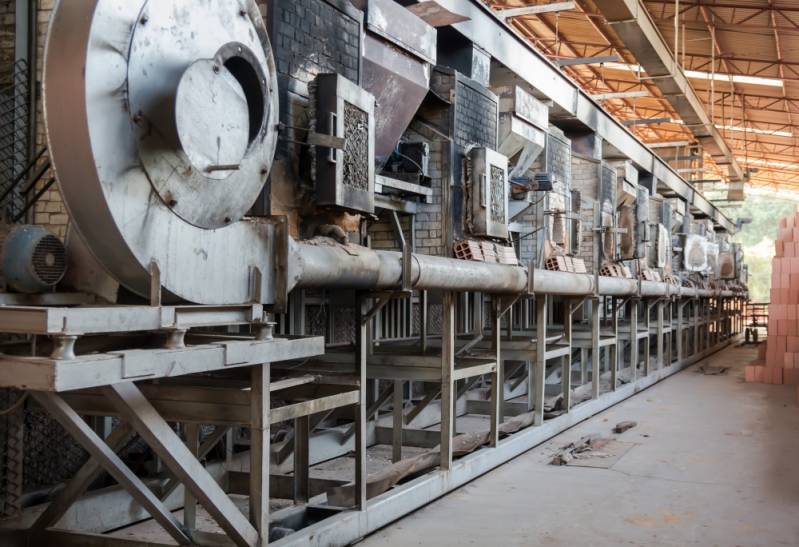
[(758, 238)]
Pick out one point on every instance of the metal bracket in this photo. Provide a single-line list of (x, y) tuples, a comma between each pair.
[(407, 254), (236, 353), (256, 284), (136, 364), (469, 345), (281, 266), (382, 300), (578, 305), (155, 283)]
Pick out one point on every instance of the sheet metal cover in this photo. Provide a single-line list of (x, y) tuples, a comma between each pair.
[(399, 25), (133, 192)]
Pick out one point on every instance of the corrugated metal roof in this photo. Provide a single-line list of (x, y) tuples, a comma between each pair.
[(758, 38)]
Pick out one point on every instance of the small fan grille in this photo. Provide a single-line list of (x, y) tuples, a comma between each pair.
[(49, 260)]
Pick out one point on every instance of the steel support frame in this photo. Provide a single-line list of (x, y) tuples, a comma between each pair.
[(348, 527)]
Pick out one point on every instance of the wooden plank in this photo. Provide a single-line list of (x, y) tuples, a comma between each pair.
[(313, 406)]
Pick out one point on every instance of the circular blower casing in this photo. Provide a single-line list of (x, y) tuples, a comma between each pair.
[(32, 260), (162, 126)]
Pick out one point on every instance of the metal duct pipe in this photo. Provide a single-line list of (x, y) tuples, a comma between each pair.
[(323, 263), (562, 283), (653, 288), (617, 286)]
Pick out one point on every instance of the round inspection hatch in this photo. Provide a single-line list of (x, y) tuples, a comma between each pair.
[(212, 119)]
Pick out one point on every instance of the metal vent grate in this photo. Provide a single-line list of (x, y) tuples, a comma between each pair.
[(356, 147), (498, 194), (14, 135), (49, 260)]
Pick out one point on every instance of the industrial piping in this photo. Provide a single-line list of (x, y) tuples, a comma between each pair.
[(323, 263)]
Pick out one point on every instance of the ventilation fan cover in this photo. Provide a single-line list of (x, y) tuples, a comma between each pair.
[(663, 247), (556, 220), (627, 222), (727, 265), (642, 232), (713, 259), (695, 253)]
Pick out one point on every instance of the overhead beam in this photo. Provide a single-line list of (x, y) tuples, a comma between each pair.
[(647, 121), (668, 144), (633, 24), (595, 60), (485, 29), (620, 95), (535, 10)]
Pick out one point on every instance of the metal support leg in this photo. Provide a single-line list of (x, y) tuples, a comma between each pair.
[(634, 337), (566, 360), (648, 345), (540, 358), (153, 429), (423, 322), (107, 458), (583, 365), (189, 501), (531, 385), (595, 348), (680, 342), (614, 349), (497, 388), (364, 347), (302, 434), (447, 383), (259, 449), (696, 346), (660, 335), (396, 437)]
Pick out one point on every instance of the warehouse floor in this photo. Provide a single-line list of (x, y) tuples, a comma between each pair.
[(712, 462)]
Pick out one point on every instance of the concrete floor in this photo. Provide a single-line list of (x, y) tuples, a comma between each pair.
[(712, 462)]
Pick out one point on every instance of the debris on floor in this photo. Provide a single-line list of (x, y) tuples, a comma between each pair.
[(586, 447), (708, 370), (621, 427), (595, 446)]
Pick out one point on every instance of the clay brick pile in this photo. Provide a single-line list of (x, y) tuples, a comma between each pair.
[(778, 359)]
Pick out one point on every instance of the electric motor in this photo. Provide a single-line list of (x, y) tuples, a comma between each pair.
[(32, 260)]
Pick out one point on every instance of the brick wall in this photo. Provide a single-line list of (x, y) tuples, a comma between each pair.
[(49, 211), (7, 22), (310, 37), (585, 179), (429, 218)]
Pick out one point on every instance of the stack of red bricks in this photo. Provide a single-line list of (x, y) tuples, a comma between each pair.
[(778, 359)]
